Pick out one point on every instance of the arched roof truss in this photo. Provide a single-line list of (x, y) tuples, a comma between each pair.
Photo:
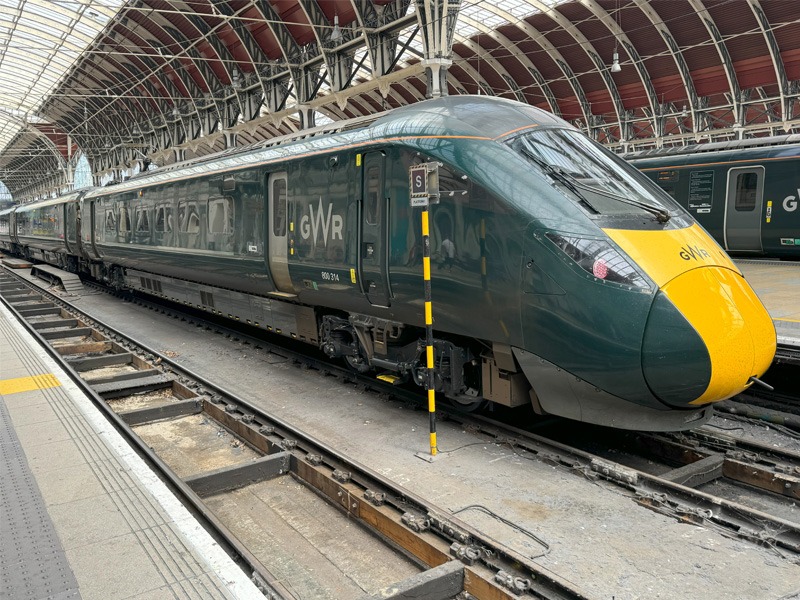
[(166, 80)]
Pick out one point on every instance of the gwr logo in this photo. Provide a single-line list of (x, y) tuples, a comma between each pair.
[(313, 224), (693, 252)]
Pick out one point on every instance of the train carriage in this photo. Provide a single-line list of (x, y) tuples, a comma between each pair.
[(557, 268), (6, 229), (745, 193), (47, 230)]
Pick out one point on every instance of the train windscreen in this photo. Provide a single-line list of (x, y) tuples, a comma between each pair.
[(602, 182)]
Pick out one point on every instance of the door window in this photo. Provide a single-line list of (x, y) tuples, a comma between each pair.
[(279, 207), (372, 196), (746, 191)]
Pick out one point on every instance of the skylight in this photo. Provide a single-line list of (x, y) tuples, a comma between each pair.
[(39, 42)]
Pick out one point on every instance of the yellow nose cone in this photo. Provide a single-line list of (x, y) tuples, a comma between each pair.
[(730, 319)]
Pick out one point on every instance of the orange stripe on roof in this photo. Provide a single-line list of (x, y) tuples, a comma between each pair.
[(507, 133), (115, 189)]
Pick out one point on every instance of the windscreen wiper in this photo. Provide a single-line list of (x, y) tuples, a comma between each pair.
[(662, 216), (559, 176)]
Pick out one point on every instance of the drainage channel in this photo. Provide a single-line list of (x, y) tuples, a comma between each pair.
[(284, 504)]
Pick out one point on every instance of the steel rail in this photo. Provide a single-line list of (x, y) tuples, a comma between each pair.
[(409, 521)]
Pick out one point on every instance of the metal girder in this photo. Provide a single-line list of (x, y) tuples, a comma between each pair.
[(775, 54), (498, 68), (292, 55), (552, 52), (725, 58), (584, 44), (381, 42), (229, 109), (508, 45), (698, 119), (437, 20), (619, 34)]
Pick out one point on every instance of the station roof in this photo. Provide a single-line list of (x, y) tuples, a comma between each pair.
[(123, 80)]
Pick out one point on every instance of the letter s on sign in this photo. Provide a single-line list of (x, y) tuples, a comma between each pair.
[(789, 204)]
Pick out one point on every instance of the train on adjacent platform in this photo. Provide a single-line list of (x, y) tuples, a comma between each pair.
[(561, 275), (745, 193)]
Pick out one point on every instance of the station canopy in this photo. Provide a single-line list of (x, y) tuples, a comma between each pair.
[(127, 83)]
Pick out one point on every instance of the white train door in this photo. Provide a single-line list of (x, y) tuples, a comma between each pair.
[(277, 223), (743, 202)]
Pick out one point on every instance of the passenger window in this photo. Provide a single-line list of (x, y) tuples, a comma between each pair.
[(124, 220), (220, 215), (189, 219), (746, 190), (372, 196), (111, 221), (142, 220), (279, 207), (164, 219)]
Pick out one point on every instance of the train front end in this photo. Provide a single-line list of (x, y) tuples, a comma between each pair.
[(633, 316), (707, 335)]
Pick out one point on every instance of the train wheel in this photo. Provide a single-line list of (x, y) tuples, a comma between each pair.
[(468, 405), (357, 363)]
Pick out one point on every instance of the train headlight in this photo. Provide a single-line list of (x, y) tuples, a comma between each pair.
[(599, 259)]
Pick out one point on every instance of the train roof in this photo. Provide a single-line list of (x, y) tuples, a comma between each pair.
[(767, 143), (483, 117), (68, 197)]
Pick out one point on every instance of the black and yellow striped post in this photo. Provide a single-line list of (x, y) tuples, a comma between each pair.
[(430, 381), (424, 187)]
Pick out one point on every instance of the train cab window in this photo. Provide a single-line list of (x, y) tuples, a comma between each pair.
[(371, 196), (746, 190), (279, 207), (124, 219), (164, 219), (220, 215), (111, 221), (142, 220)]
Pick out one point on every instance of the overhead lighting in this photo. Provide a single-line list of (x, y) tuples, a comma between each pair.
[(684, 112), (615, 68), (336, 34)]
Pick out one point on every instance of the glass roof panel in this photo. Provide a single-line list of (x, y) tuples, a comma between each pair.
[(32, 63)]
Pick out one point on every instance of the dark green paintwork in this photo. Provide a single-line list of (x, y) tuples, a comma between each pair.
[(675, 360), (781, 187), (531, 296)]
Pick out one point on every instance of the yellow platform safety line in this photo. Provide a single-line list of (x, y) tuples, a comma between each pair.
[(28, 384)]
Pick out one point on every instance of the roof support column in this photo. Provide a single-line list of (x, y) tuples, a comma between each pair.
[(437, 20), (307, 116)]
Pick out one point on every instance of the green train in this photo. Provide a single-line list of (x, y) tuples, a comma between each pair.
[(561, 275), (745, 193)]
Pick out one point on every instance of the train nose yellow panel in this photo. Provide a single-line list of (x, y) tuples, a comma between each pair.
[(735, 327)]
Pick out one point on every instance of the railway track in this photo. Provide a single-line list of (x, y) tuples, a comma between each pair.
[(694, 460), (158, 404)]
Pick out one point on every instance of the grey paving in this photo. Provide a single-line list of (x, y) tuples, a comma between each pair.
[(82, 516), (33, 563)]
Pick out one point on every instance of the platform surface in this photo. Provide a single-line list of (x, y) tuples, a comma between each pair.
[(777, 283), (81, 515)]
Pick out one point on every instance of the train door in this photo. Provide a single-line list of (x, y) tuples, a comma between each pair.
[(71, 224), (89, 231), (277, 223), (743, 202), (373, 264)]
